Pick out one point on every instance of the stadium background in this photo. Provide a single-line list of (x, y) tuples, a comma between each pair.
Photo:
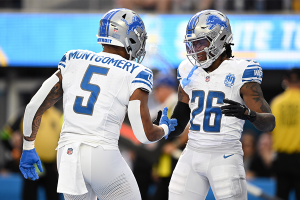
[(34, 35)]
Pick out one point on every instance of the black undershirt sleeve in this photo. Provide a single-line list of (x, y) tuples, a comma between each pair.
[(182, 114)]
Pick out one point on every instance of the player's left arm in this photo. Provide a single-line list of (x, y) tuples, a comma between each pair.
[(253, 97)]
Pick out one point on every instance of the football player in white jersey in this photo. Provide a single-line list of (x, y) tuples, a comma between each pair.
[(97, 90), (216, 95)]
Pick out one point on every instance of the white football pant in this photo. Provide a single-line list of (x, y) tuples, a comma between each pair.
[(106, 175), (195, 172)]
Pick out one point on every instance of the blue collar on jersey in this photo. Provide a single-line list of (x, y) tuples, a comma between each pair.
[(186, 80)]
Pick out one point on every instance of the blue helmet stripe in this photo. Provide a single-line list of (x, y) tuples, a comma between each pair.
[(113, 13), (192, 23), (105, 22), (103, 27)]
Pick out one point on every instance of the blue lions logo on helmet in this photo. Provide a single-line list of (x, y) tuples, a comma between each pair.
[(136, 22), (213, 20)]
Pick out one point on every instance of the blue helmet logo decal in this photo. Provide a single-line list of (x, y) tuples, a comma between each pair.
[(213, 20), (136, 23)]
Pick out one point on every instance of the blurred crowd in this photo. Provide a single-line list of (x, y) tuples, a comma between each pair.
[(166, 6), (158, 6), (266, 155)]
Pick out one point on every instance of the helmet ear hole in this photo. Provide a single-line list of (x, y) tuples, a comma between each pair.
[(223, 38), (132, 41)]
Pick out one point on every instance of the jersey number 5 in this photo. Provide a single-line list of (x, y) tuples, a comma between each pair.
[(87, 86), (208, 111)]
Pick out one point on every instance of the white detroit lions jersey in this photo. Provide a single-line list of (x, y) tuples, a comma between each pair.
[(210, 130), (97, 88)]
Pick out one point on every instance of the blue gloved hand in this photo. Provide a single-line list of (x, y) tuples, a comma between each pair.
[(171, 123), (28, 159)]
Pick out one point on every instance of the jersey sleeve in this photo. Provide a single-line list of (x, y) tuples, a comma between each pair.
[(252, 73), (63, 63), (178, 75), (143, 80)]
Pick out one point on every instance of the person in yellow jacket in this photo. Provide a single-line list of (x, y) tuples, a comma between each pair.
[(286, 136), (3, 59), (46, 142)]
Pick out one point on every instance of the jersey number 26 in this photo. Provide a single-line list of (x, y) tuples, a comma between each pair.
[(207, 127)]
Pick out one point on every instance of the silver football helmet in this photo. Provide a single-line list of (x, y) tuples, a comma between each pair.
[(207, 31), (123, 27)]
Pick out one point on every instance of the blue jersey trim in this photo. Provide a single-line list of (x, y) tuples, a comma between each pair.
[(62, 64), (253, 66), (178, 75), (252, 80), (148, 70), (137, 81), (254, 74), (145, 75)]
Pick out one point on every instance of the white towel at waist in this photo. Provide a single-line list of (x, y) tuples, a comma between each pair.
[(70, 179), (91, 140)]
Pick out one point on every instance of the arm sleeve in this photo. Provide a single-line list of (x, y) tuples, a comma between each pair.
[(143, 80), (135, 119), (35, 103), (182, 114)]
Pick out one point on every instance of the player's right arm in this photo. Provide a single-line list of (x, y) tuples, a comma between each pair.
[(181, 112), (182, 109), (139, 116), (45, 98), (49, 93)]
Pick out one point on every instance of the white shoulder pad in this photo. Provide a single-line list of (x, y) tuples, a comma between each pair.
[(184, 69), (36, 102)]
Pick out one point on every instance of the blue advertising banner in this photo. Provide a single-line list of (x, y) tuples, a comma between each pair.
[(40, 40)]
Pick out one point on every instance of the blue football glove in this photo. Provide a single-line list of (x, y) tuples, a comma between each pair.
[(171, 123), (28, 159)]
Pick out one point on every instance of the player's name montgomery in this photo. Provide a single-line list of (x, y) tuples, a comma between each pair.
[(121, 63)]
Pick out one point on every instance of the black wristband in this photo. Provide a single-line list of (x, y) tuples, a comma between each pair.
[(182, 114)]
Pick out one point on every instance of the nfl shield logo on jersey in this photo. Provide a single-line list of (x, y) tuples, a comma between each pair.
[(70, 151), (229, 80), (207, 78)]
